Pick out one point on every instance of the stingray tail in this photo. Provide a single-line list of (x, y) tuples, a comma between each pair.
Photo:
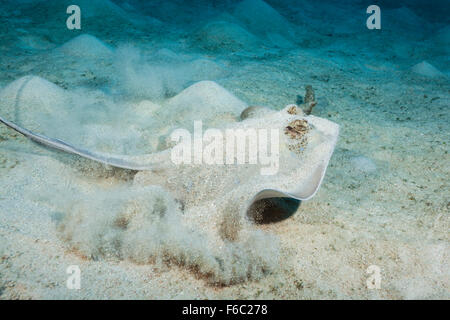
[(114, 161)]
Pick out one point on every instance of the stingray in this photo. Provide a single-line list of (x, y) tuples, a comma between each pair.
[(307, 143), (304, 190)]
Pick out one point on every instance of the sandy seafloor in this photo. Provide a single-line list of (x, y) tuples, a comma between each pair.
[(384, 200)]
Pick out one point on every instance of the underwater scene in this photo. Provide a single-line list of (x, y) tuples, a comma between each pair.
[(235, 149)]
